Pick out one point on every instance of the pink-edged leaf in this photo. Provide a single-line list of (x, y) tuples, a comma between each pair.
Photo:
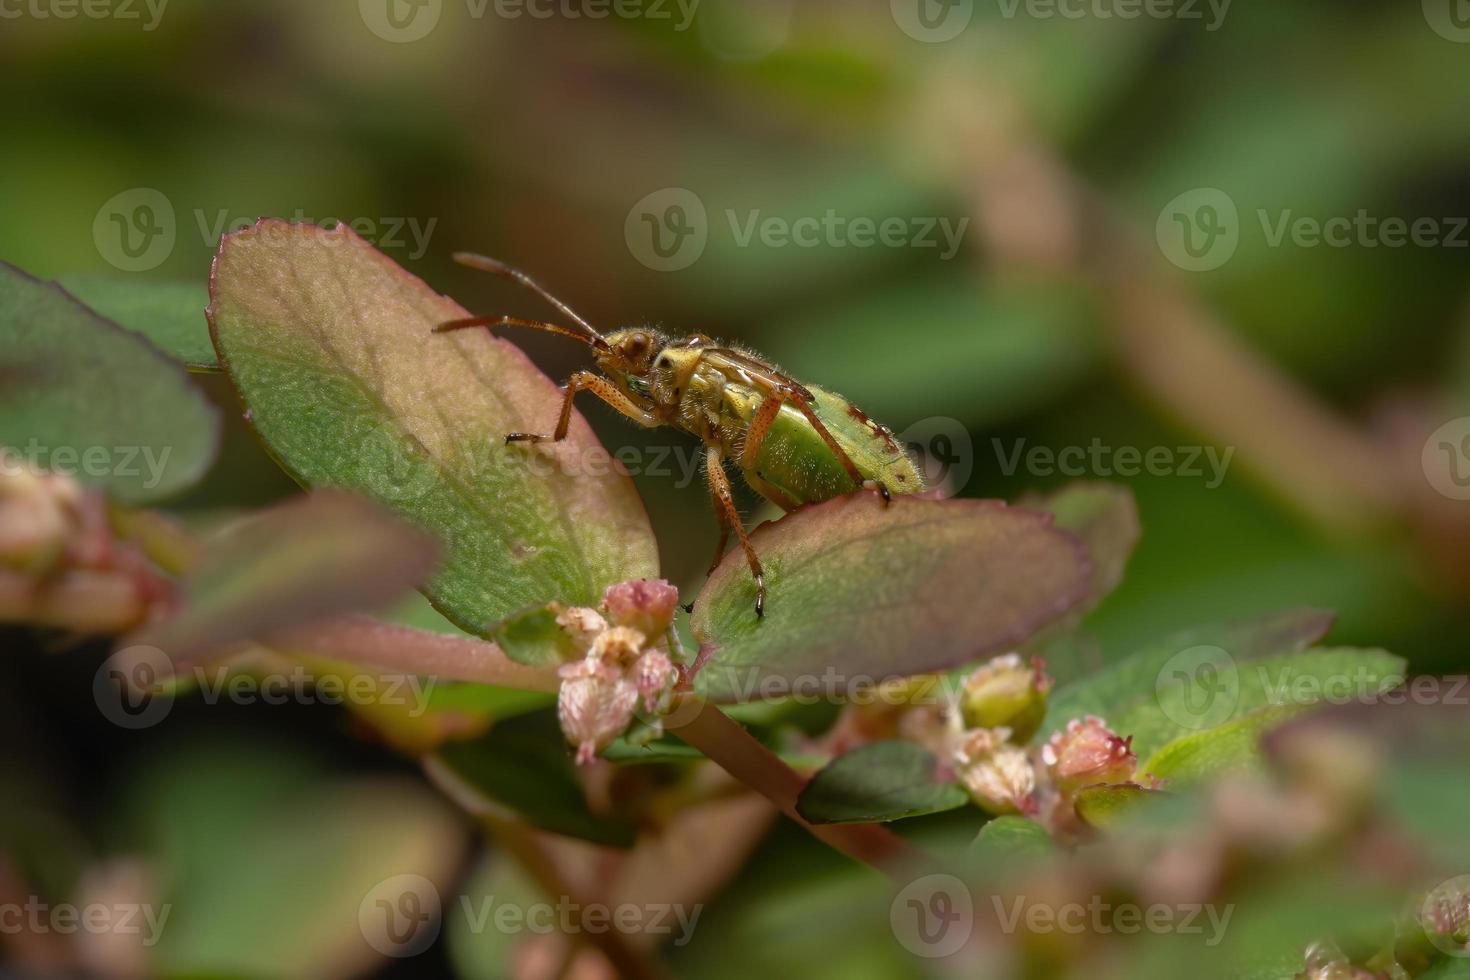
[(308, 560), (860, 592), (330, 346)]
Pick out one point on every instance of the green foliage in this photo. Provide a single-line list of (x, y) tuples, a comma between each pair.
[(330, 346), (881, 781), (80, 394), (862, 592), (170, 314)]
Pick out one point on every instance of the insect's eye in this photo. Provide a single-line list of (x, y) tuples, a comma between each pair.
[(636, 345)]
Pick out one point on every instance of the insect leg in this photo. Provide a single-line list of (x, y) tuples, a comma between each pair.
[(802, 401), (599, 386), (719, 488), (724, 528)]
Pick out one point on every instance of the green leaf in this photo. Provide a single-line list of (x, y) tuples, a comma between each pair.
[(1235, 745), (1004, 839), (325, 555), (882, 781), (81, 395), (274, 857), (523, 766), (330, 346), (1228, 690), (1113, 688), (860, 592), (1104, 806), (1105, 517), (1448, 968), (171, 314), (533, 638)]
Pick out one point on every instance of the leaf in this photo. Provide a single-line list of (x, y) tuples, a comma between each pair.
[(170, 314), (1232, 689), (281, 856), (1104, 806), (881, 781), (329, 344), (1105, 517), (522, 765), (1232, 746), (1004, 839), (532, 637), (860, 592), (81, 395), (310, 559), (1113, 688)]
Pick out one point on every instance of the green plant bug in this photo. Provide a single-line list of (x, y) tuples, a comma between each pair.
[(794, 444)]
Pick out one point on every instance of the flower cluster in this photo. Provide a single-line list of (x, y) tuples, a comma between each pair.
[(625, 663), (60, 564)]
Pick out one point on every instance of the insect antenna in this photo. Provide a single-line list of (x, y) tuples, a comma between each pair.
[(487, 264)]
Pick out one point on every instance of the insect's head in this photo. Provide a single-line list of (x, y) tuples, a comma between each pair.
[(630, 351)]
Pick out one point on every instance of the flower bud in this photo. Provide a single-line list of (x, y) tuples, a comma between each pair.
[(998, 777), (1087, 754), (594, 705), (37, 515), (646, 605), (1006, 693), (625, 660)]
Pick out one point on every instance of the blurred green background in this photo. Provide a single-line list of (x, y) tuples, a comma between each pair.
[(630, 163)]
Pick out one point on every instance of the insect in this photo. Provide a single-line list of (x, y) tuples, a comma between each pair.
[(794, 444)]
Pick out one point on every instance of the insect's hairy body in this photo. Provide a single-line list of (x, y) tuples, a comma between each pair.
[(714, 393)]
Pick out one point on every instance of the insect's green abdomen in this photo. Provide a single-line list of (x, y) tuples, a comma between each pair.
[(796, 466)]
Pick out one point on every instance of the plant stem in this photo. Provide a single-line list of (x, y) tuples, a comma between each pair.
[(521, 843), (710, 730)]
